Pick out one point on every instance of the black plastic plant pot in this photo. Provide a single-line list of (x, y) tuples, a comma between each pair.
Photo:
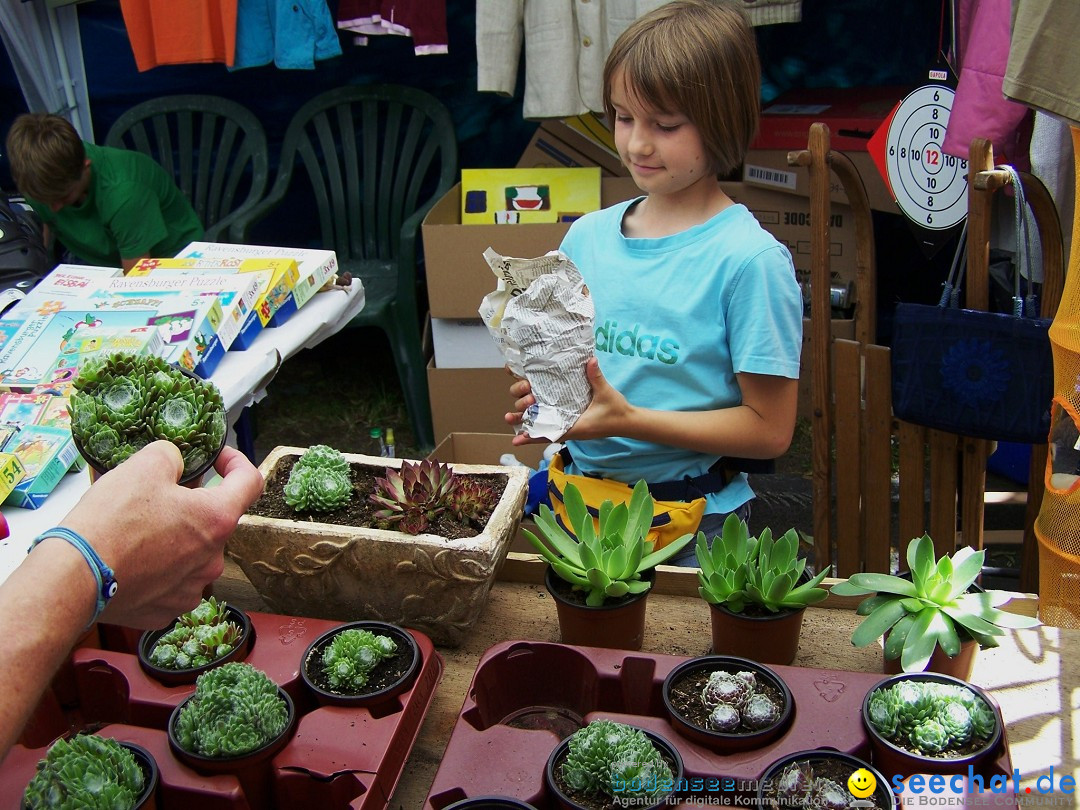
[(490, 803), (175, 677), (561, 800), (895, 759), (389, 679), (192, 479), (147, 799), (695, 672), (834, 765)]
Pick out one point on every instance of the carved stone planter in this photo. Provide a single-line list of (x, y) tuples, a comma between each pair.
[(430, 583)]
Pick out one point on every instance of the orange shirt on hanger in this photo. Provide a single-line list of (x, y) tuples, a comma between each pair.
[(167, 32)]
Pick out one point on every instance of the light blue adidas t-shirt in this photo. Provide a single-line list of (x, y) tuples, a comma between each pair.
[(676, 318)]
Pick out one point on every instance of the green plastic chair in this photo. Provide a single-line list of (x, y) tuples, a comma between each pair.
[(215, 149), (375, 158)]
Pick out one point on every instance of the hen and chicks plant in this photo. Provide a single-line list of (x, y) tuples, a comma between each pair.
[(739, 570), (413, 496), (123, 402), (199, 637), (85, 773), (348, 660), (734, 700), (235, 709), (319, 481), (798, 786), (932, 609), (930, 717), (605, 558), (616, 760)]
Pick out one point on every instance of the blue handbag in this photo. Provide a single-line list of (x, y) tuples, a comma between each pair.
[(989, 375)]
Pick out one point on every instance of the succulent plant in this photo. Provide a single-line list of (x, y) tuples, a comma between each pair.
[(199, 637), (724, 717), (235, 709), (932, 609), (739, 570), (795, 782), (797, 786), (617, 760), (608, 561), (828, 794), (726, 687), (416, 494), (122, 402), (349, 658), (733, 700), (319, 481), (85, 773), (760, 711), (929, 716)]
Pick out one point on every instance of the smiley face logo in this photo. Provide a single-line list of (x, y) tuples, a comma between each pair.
[(861, 783)]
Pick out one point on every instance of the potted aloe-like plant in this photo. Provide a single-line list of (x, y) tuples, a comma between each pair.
[(925, 722), (123, 402), (210, 634), (609, 764), (350, 537), (365, 663), (89, 772), (935, 609), (757, 589), (600, 575)]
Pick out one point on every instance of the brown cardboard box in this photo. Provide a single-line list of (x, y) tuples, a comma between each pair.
[(589, 135), (458, 278), (841, 330), (768, 168), (468, 400), (546, 150)]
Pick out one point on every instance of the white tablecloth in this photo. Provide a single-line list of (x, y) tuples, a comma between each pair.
[(242, 378)]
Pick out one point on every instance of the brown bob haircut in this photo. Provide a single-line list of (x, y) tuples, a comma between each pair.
[(697, 58), (46, 155)]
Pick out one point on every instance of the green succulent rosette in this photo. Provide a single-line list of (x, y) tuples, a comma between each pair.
[(86, 773), (122, 402)]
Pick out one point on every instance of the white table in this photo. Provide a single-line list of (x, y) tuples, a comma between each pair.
[(242, 377)]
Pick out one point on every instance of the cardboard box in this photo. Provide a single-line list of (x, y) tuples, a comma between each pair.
[(549, 148), (46, 454), (852, 114), (589, 134), (458, 278), (841, 330), (468, 400), (464, 344), (11, 473), (768, 168)]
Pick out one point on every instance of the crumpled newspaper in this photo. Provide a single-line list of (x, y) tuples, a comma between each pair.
[(541, 318)]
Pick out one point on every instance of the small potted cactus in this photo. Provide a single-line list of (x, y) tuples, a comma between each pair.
[(824, 779), (600, 575), (210, 634), (364, 663), (925, 722), (124, 401), (726, 703), (88, 772), (412, 543), (757, 589), (608, 764)]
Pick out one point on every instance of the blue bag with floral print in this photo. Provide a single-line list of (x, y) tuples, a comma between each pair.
[(989, 375)]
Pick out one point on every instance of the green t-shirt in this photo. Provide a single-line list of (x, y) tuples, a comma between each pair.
[(132, 208)]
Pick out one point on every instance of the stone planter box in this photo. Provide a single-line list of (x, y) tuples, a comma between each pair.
[(427, 582)]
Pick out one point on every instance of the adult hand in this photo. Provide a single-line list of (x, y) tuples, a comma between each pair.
[(164, 542)]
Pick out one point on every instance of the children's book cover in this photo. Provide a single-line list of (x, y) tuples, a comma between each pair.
[(528, 195)]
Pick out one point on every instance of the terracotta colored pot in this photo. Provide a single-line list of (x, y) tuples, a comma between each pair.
[(147, 799), (377, 697), (253, 769), (727, 742), (558, 754), (769, 639), (617, 625), (173, 677), (882, 793), (959, 666), (892, 759)]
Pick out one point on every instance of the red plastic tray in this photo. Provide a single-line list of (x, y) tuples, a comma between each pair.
[(337, 757), (486, 756)]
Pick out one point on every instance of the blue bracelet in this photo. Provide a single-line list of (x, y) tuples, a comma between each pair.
[(106, 581)]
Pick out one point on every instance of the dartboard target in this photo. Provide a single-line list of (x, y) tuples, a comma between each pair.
[(930, 186)]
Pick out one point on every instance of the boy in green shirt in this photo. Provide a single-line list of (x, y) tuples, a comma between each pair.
[(108, 206)]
